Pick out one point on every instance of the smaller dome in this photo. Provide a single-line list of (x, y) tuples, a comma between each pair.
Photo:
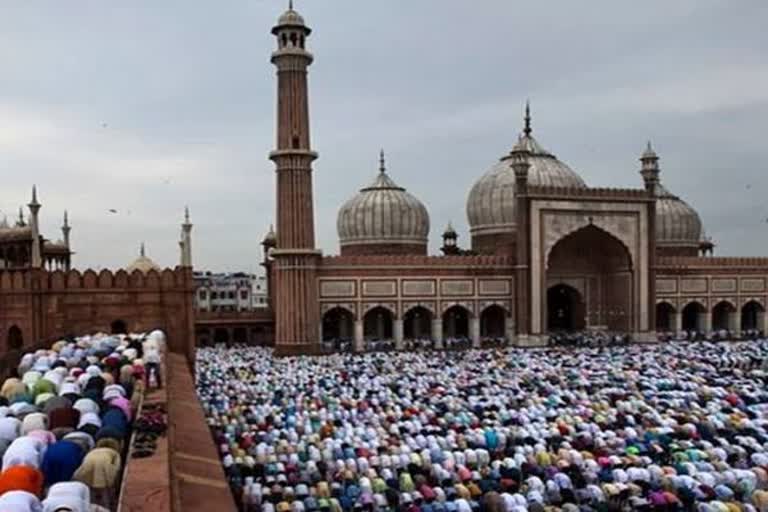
[(291, 17), (143, 263), (383, 214), (270, 239), (677, 223)]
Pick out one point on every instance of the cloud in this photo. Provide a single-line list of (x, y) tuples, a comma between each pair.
[(149, 107)]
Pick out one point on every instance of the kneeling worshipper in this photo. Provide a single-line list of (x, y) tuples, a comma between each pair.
[(677, 426), (66, 422)]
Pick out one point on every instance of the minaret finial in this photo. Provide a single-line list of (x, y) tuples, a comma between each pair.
[(186, 214), (66, 219), (290, 5), (527, 130), (142, 251), (21, 216), (382, 163)]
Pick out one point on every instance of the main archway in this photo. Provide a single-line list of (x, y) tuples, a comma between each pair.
[(590, 283), (565, 309)]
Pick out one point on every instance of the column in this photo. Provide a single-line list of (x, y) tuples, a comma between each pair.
[(677, 321), (706, 324), (762, 320), (475, 332), (734, 322), (437, 332), (359, 339), (397, 328), (509, 329)]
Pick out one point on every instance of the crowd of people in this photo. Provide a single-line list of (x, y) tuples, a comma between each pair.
[(66, 418), (715, 335), (679, 426), (389, 345), (587, 339)]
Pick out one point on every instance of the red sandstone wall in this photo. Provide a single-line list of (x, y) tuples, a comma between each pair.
[(379, 249), (48, 305)]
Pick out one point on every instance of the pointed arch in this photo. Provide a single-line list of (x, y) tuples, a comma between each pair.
[(694, 314), (338, 324), (586, 226), (378, 323), (119, 327), (753, 316), (456, 322), (15, 340), (665, 314), (417, 323), (724, 315)]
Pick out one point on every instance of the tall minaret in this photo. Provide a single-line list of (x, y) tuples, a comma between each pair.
[(34, 209), (295, 257), (186, 240), (66, 229)]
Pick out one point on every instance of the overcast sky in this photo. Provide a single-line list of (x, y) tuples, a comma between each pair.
[(156, 104)]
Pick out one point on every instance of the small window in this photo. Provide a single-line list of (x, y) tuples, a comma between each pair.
[(244, 294), (296, 143)]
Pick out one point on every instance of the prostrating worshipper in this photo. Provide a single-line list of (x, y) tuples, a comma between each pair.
[(594, 423), (65, 423)]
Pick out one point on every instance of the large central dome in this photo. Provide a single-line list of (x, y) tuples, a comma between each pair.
[(491, 202), (383, 219)]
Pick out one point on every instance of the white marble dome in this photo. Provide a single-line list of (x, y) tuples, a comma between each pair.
[(383, 213), (677, 223), (491, 201)]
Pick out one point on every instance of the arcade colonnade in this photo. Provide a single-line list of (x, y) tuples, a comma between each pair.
[(382, 323), (749, 314)]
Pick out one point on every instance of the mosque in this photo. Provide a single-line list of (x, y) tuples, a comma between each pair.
[(548, 252)]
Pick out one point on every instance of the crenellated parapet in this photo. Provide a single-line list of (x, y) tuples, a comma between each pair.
[(119, 280)]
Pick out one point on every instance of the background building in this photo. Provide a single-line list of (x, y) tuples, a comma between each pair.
[(229, 292), (43, 299)]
